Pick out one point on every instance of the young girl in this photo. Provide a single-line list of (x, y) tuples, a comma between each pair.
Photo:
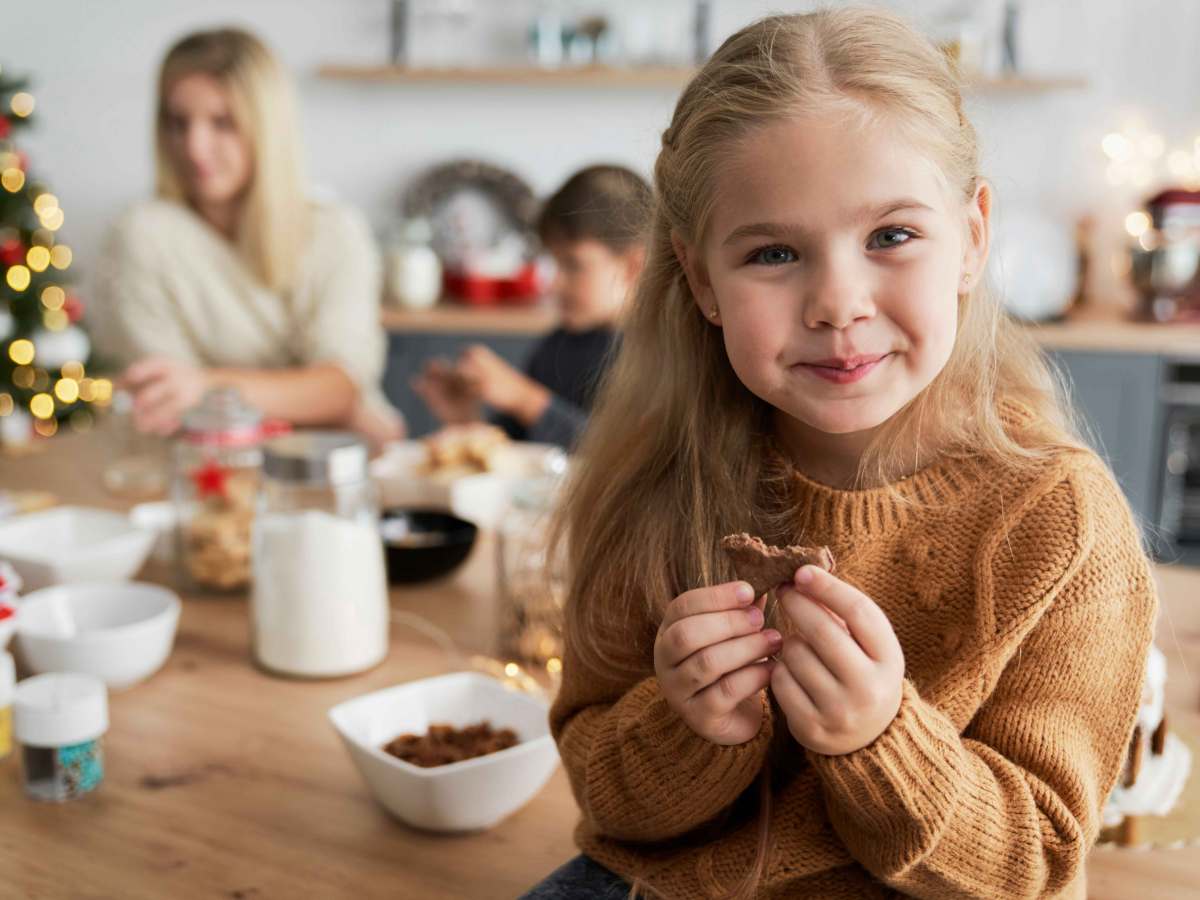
[(234, 276), (813, 356)]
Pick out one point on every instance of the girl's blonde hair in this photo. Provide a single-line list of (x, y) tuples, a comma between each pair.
[(275, 218), (676, 454)]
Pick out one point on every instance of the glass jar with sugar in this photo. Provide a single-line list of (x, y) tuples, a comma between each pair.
[(319, 603)]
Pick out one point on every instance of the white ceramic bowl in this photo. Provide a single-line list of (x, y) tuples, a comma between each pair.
[(161, 517), (464, 796), (120, 632), (479, 498), (72, 544)]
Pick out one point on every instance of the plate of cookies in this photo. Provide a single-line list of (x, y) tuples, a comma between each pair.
[(466, 469)]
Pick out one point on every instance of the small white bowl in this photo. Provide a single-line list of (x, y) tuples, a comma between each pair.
[(464, 796), (399, 474), (72, 544), (161, 517), (119, 632)]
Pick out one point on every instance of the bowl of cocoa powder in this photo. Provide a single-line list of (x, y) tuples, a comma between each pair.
[(452, 753)]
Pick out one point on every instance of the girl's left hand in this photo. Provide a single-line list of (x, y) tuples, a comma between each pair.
[(840, 681)]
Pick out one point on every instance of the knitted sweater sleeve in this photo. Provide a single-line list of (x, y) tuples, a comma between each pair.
[(1011, 806), (638, 772)]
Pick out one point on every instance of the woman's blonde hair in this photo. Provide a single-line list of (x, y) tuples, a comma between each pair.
[(275, 219), (676, 454)]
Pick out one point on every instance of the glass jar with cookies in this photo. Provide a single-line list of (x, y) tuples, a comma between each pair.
[(217, 466)]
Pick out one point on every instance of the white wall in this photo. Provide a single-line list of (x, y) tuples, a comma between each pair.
[(94, 63)]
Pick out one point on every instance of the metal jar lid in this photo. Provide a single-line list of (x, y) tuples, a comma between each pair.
[(316, 457)]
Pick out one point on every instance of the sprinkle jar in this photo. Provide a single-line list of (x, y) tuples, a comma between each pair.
[(59, 720)]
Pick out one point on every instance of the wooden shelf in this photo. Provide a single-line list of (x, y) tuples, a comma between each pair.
[(456, 318), (613, 76), (1023, 84), (570, 76)]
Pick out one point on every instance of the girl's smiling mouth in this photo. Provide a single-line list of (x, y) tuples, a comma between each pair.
[(844, 371)]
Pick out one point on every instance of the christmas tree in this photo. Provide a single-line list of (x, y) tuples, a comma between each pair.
[(43, 351)]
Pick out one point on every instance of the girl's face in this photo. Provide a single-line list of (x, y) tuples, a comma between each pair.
[(213, 159), (835, 259)]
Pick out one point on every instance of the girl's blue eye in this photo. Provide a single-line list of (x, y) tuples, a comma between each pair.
[(772, 256), (891, 237)]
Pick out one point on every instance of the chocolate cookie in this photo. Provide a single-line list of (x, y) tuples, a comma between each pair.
[(765, 566)]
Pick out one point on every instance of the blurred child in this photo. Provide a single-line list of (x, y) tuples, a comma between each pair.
[(594, 227)]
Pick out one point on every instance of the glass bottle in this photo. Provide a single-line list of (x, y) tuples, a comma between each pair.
[(319, 607), (217, 465), (532, 589)]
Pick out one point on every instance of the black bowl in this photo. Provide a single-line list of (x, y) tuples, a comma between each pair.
[(422, 544)]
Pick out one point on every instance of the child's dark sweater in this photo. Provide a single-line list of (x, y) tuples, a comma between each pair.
[(570, 365)]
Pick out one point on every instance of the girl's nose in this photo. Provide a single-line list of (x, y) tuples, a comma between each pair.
[(837, 297)]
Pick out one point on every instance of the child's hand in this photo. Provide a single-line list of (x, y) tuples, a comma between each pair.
[(452, 398), (503, 387), (839, 681), (710, 658)]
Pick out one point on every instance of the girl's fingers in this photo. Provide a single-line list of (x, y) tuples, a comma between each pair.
[(826, 636), (731, 595), (810, 673), (710, 664), (791, 696), (723, 697), (702, 632), (863, 617)]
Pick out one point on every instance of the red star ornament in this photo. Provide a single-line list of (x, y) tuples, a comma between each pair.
[(210, 480)]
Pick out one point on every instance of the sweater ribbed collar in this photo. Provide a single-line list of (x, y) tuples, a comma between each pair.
[(838, 513)]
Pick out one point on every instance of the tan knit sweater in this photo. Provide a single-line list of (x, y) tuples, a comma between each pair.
[(1025, 607)]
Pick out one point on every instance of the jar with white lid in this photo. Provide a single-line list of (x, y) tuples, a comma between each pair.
[(319, 604), (59, 720)]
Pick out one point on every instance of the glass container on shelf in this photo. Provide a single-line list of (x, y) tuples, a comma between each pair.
[(217, 465), (319, 606), (532, 586), (414, 271)]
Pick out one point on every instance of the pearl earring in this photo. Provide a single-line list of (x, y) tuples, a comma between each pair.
[(713, 313)]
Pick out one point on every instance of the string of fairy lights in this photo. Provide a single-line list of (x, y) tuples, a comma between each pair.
[(43, 352)]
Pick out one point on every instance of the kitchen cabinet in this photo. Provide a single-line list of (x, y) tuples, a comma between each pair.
[(408, 352), (1118, 396)]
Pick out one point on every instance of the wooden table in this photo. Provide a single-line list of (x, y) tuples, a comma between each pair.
[(225, 782)]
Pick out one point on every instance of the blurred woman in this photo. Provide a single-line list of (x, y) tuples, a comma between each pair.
[(234, 276)]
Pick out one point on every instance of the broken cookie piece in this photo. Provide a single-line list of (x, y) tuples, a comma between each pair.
[(766, 566)]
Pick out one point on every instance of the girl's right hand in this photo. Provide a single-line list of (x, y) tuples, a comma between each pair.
[(711, 658)]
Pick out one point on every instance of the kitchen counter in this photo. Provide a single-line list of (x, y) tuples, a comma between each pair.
[(1113, 335)]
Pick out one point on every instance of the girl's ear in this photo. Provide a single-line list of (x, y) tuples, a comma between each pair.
[(979, 234), (697, 277)]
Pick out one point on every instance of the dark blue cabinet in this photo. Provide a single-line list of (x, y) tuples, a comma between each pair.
[(1119, 398), (408, 352)]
